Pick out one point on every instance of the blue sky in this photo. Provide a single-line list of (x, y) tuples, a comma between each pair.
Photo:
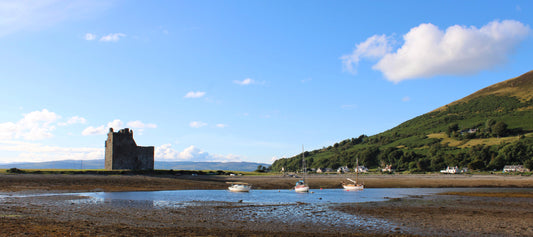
[(241, 80)]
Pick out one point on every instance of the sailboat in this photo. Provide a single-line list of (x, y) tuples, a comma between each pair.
[(239, 187), (354, 185), (301, 186)]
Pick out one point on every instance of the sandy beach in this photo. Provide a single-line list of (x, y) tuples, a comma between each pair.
[(494, 213)]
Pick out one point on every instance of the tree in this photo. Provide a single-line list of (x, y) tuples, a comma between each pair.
[(369, 156), (476, 165), (529, 164), (499, 129), (489, 124), (452, 129)]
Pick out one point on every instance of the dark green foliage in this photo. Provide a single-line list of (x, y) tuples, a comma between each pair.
[(15, 171)]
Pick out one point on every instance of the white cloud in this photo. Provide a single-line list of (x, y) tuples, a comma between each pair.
[(244, 82), (34, 152), (221, 125), (73, 120), (406, 99), (139, 124), (36, 125), (197, 124), (90, 36), (114, 37), (376, 46), (192, 94), (428, 51), (34, 15), (116, 124), (94, 130), (100, 130), (167, 153)]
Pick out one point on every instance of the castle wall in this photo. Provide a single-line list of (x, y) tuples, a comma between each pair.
[(123, 153)]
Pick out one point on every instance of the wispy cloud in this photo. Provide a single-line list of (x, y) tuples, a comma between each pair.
[(406, 99), (114, 37), (197, 124), (73, 120), (221, 125), (428, 51), (247, 81), (90, 36), (193, 94)]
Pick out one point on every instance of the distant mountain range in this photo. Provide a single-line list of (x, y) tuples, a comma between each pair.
[(163, 165)]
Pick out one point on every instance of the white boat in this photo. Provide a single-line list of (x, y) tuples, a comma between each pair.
[(239, 187), (301, 186), (354, 185)]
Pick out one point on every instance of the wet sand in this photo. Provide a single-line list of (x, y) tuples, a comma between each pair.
[(453, 214)]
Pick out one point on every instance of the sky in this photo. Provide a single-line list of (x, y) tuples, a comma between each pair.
[(240, 80)]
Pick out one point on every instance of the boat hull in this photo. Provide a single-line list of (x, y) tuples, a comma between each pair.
[(301, 188), (239, 188), (353, 187)]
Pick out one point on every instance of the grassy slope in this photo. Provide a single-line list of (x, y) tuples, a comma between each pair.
[(510, 101)]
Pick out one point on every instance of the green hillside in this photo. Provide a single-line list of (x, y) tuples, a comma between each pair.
[(486, 130)]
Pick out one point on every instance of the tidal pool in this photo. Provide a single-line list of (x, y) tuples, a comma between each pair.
[(263, 197)]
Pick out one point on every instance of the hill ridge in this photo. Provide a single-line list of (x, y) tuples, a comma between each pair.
[(520, 87)]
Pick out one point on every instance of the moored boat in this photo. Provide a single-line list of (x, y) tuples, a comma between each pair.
[(354, 185), (301, 186), (239, 187)]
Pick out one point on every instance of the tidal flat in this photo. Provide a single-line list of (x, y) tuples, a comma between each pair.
[(29, 209)]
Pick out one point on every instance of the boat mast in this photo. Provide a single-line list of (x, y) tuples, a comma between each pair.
[(356, 170), (303, 164)]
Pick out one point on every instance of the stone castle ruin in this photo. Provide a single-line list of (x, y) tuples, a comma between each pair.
[(122, 153)]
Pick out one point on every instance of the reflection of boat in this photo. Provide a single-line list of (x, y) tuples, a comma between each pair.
[(301, 186), (354, 185), (239, 187)]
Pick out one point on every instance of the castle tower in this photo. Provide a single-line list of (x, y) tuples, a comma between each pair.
[(122, 153)]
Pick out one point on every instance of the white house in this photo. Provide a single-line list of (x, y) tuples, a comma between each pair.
[(450, 170), (388, 168), (343, 169), (514, 168), (361, 169)]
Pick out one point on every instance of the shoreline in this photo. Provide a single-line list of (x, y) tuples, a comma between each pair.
[(89, 182)]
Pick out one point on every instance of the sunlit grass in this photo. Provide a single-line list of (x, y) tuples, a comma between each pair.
[(473, 142)]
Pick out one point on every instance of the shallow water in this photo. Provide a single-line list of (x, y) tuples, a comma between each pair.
[(265, 197), (282, 208)]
